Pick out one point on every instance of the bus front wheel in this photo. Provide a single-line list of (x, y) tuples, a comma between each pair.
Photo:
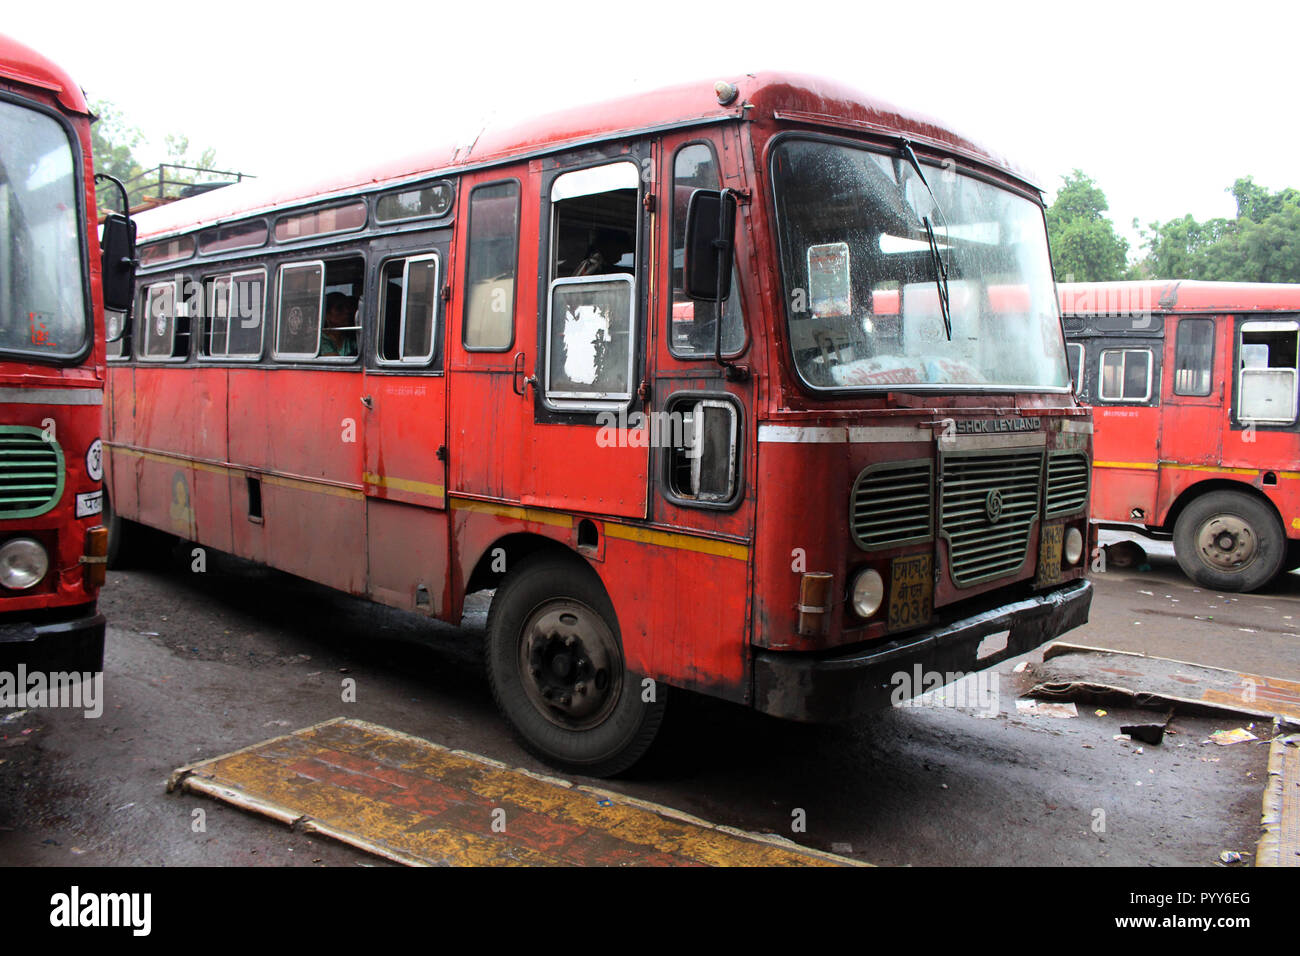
[(555, 662), (1229, 541)]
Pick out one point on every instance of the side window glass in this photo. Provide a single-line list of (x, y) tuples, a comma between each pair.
[(302, 295), (1193, 356), (1074, 354), (408, 310), (492, 261), (692, 325), (165, 322), (1266, 390), (233, 316), (591, 307), (1125, 375)]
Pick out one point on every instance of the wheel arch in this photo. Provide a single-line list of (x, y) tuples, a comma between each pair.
[(1209, 486), (517, 547)]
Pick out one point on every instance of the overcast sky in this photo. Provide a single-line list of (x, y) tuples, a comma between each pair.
[(1163, 104)]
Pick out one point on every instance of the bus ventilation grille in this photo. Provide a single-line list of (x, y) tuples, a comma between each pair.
[(31, 472), (1067, 484), (988, 506), (892, 505)]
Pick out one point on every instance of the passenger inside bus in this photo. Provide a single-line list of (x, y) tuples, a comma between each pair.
[(338, 333)]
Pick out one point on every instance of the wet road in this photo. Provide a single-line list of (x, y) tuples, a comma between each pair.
[(202, 664)]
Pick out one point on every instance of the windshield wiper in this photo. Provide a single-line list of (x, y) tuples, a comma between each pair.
[(940, 278), (940, 268)]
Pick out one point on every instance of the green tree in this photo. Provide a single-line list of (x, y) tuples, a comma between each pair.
[(114, 144), (1262, 244), (1085, 245)]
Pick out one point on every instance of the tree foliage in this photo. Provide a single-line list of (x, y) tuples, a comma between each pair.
[(1085, 246), (1262, 244), (115, 145)]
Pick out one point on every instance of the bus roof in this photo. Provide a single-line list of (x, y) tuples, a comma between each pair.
[(764, 97), (20, 64), (1176, 295)]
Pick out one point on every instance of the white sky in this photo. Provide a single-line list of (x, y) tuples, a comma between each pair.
[(1164, 104)]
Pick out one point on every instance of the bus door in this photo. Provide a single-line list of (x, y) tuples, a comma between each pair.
[(1191, 426), (405, 399), (1126, 412), (582, 353)]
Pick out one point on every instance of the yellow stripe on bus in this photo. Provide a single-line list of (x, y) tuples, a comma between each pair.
[(1219, 469), (534, 515), (684, 542), (1142, 465), (301, 484), (404, 484)]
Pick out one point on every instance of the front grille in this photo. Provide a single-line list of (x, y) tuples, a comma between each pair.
[(981, 549), (1067, 484), (31, 472), (891, 505)]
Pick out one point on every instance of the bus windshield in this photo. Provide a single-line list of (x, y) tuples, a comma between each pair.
[(869, 251), (42, 286)]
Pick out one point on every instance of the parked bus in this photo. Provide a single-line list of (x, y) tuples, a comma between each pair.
[(1194, 394), (756, 389), (52, 542)]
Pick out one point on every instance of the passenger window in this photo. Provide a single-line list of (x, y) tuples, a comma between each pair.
[(1193, 356), (1125, 375), (493, 258), (1074, 355), (703, 458), (317, 315), (165, 322), (234, 313), (591, 311), (692, 325), (1266, 389), (408, 310)]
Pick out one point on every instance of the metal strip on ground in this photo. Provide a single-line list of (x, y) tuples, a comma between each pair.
[(1279, 844), (421, 804)]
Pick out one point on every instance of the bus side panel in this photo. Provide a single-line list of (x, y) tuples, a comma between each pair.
[(211, 483), (682, 613), (119, 405), (569, 469), (408, 556), (247, 442), (313, 506), (1125, 475), (164, 433)]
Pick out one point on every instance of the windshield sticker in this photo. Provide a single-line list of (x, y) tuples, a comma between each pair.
[(828, 279)]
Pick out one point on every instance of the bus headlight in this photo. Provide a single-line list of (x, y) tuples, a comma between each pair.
[(1073, 546), (23, 563), (868, 592)]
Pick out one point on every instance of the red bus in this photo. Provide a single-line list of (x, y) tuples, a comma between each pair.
[(1194, 394), (51, 366), (756, 389)]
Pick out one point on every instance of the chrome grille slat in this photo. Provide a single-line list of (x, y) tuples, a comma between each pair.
[(1067, 484), (980, 550), (892, 505), (31, 471)]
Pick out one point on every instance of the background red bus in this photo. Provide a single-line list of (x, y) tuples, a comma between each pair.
[(1194, 394), (505, 368), (52, 542)]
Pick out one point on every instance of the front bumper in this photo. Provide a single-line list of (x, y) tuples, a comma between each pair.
[(74, 644), (835, 687)]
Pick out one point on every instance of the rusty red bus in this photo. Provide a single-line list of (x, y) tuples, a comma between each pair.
[(52, 542), (1194, 394), (755, 388)]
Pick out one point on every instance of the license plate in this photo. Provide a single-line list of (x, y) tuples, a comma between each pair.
[(911, 592), (1049, 555)]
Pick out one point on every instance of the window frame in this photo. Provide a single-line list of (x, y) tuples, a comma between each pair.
[(1079, 366), (415, 187), (1267, 325), (315, 211), (209, 284), (736, 289), (382, 318), (590, 401), (469, 259), (1178, 332), (278, 355), (142, 342), (1101, 377)]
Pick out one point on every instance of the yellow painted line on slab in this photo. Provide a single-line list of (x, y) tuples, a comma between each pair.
[(404, 484), (419, 803), (684, 542), (1279, 843)]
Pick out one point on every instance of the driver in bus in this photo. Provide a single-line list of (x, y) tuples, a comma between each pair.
[(338, 335)]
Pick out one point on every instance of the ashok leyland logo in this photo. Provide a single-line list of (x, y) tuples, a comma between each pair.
[(993, 506)]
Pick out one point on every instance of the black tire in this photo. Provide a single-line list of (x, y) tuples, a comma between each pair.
[(1229, 541), (555, 661)]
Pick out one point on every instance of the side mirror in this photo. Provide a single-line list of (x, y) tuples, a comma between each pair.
[(710, 228), (118, 264)]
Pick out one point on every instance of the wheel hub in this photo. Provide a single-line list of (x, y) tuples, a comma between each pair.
[(1227, 543), (568, 658)]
